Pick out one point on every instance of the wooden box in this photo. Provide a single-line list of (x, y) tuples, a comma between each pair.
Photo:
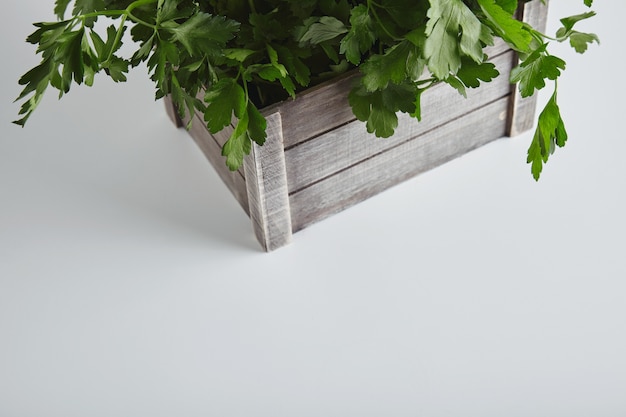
[(318, 159)]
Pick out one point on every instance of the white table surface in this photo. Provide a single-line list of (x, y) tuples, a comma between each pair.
[(131, 283)]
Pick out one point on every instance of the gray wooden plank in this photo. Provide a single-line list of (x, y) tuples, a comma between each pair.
[(213, 151), (309, 116), (498, 47), (398, 164), (316, 110), (266, 180), (522, 110), (347, 145)]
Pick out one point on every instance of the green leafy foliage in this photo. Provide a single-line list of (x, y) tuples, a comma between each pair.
[(502, 22), (360, 37), (324, 29), (452, 31), (378, 109), (204, 33), (225, 59), (549, 134), (471, 73), (534, 70), (579, 40)]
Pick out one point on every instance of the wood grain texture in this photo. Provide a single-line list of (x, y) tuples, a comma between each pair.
[(325, 107), (398, 164), (209, 145), (266, 180), (350, 144), (522, 110)]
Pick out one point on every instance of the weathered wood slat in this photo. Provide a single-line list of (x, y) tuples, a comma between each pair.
[(498, 47), (267, 188), (213, 151), (522, 110), (398, 164), (349, 144), (316, 110), (308, 115)]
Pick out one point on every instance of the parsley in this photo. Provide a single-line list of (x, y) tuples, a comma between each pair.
[(228, 58)]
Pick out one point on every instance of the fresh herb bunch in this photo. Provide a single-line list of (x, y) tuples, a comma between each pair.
[(240, 55)]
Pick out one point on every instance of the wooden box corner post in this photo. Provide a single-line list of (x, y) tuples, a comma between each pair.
[(522, 109), (266, 183)]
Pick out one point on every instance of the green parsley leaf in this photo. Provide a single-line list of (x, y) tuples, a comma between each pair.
[(569, 22), (406, 18), (550, 133), (84, 7), (294, 64), (379, 70), (378, 109), (452, 30), (256, 124), (238, 145), (399, 62), (400, 97), (223, 99), (532, 72), (116, 68), (506, 26), (326, 28), (60, 8), (164, 56), (580, 41), (204, 33), (471, 73), (457, 84), (238, 54), (105, 49), (370, 108), (360, 37), (510, 6), (36, 80)]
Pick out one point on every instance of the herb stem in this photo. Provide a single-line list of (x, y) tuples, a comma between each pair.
[(126, 12), (138, 3), (252, 6), (118, 37)]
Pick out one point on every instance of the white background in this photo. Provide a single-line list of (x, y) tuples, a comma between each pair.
[(131, 283)]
